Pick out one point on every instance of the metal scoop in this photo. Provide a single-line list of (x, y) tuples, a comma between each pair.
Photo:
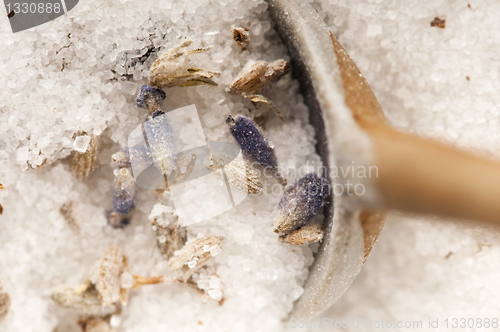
[(413, 174)]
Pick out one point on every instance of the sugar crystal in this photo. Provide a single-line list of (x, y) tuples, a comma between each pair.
[(81, 143)]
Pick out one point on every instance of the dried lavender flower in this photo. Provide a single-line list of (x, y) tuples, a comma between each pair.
[(69, 214), (438, 22), (241, 36), (300, 203), (84, 300), (4, 303), (124, 190), (195, 255), (184, 167), (94, 324), (136, 156), (254, 145), (106, 290), (84, 164), (170, 236), (106, 276), (149, 98), (256, 77), (304, 235), (2, 187), (171, 69), (160, 139), (239, 172), (207, 280), (267, 101), (117, 219)]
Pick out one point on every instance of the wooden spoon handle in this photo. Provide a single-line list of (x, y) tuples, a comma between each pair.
[(424, 176)]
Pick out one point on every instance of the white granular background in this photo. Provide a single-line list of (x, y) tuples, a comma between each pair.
[(68, 76), (424, 268), (73, 76)]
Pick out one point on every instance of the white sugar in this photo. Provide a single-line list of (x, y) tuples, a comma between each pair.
[(215, 250), (211, 29), (115, 321), (22, 154), (127, 280), (305, 234), (442, 84), (192, 264), (81, 143), (129, 88), (82, 81), (215, 294)]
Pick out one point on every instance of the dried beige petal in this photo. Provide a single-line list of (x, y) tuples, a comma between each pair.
[(4, 304), (170, 236), (1, 207), (184, 167), (95, 324), (438, 22), (84, 300), (195, 255), (256, 77), (106, 276), (267, 101), (248, 80), (84, 164), (305, 235), (238, 172), (171, 69), (69, 214), (241, 36)]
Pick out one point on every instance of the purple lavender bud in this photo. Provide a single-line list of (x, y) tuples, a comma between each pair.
[(253, 143), (160, 140), (123, 191), (300, 203), (149, 98)]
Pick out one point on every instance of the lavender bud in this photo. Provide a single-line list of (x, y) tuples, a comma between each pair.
[(123, 191), (254, 145), (300, 203), (149, 98), (160, 139)]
